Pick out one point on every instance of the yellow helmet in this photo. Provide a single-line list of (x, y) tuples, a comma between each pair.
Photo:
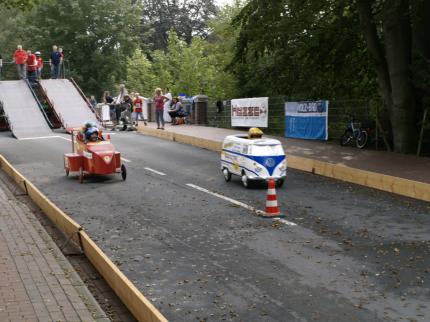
[(255, 133)]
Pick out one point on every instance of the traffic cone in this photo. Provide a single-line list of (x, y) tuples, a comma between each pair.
[(272, 209)]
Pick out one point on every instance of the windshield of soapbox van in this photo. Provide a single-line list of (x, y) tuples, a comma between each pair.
[(266, 150)]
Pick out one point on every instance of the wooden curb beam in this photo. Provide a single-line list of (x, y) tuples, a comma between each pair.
[(408, 188), (141, 308)]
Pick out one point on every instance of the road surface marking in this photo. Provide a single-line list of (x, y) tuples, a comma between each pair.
[(155, 171), (39, 137), (239, 203), (125, 160)]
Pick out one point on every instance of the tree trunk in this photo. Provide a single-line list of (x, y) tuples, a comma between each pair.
[(375, 50), (398, 49)]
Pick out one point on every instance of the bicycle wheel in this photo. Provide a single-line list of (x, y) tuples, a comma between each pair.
[(346, 137), (361, 140)]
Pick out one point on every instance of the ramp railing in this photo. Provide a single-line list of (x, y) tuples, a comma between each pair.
[(86, 99), (39, 104)]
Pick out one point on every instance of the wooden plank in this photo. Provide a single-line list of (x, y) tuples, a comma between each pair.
[(139, 305)]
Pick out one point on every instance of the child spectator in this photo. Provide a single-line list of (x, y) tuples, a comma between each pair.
[(39, 64)]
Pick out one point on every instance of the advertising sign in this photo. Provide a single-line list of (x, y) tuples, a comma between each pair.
[(250, 112), (306, 120)]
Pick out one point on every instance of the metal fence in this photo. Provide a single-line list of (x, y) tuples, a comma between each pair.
[(9, 72), (340, 112)]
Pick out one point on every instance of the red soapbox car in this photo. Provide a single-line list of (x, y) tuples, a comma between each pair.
[(93, 158)]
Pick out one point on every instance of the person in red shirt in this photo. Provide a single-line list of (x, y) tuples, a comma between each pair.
[(31, 66), (138, 109), (159, 99), (20, 58), (39, 64)]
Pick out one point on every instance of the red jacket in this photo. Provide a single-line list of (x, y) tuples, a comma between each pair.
[(39, 62), (20, 57), (32, 63)]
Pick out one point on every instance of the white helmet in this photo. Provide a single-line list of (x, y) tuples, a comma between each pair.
[(37, 53)]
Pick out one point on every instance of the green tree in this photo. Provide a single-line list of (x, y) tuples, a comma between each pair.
[(140, 77), (97, 37)]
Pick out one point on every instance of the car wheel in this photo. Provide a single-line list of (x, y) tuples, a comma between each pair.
[(123, 172), (227, 174), (279, 183), (245, 181), (81, 175)]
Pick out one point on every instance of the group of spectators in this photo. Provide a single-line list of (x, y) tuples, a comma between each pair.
[(127, 106), (30, 65)]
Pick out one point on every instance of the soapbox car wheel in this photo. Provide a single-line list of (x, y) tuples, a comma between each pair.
[(279, 183), (245, 180), (67, 172), (123, 172), (227, 174), (81, 175)]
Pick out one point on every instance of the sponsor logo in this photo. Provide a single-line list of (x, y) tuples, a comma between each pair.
[(269, 162)]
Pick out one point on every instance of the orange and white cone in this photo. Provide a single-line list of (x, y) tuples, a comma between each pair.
[(272, 209)]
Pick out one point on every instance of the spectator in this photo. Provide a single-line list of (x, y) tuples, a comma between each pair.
[(167, 105), (119, 100), (93, 101), (1, 65), (39, 64), (159, 108), (107, 98), (54, 62), (127, 109), (176, 110), (31, 67), (20, 58), (138, 109)]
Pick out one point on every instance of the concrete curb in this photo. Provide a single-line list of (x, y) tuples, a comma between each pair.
[(136, 302), (400, 186)]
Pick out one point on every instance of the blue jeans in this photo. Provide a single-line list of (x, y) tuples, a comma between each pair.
[(159, 117), (55, 71)]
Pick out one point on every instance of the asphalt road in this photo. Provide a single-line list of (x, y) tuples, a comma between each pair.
[(356, 254)]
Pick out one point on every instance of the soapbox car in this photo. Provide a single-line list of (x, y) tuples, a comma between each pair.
[(93, 158)]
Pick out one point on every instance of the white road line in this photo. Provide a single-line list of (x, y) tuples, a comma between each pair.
[(155, 171), (239, 203), (125, 160), (39, 137)]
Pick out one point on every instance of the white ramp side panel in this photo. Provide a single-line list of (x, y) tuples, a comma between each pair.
[(25, 118), (67, 102)]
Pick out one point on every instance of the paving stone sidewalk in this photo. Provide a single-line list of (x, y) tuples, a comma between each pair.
[(37, 283), (389, 163)]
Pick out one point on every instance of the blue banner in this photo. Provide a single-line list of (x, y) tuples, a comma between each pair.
[(306, 120)]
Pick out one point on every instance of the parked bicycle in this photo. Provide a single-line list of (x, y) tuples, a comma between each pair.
[(354, 132)]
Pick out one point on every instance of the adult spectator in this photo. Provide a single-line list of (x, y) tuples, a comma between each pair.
[(93, 101), (118, 102), (167, 105), (176, 110), (1, 65), (107, 98), (159, 99), (31, 67), (39, 64), (20, 58), (54, 62)]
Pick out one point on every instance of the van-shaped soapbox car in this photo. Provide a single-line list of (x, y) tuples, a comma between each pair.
[(257, 159), (93, 158)]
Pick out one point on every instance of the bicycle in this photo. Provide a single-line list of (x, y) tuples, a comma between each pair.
[(354, 131)]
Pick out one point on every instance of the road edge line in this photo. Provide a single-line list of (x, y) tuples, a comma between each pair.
[(141, 308), (400, 186)]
